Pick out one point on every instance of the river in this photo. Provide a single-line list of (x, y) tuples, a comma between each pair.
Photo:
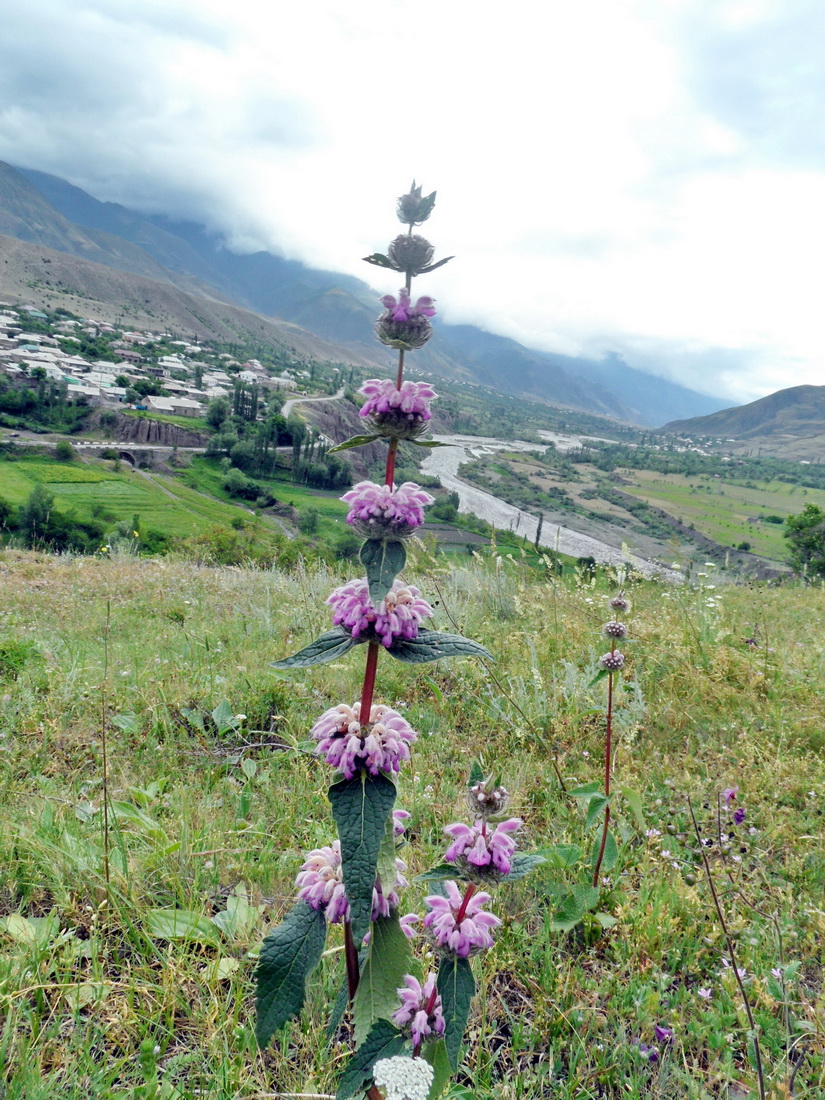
[(444, 462)]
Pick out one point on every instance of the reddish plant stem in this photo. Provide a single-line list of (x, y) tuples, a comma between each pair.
[(374, 1093), (391, 453), (608, 738), (351, 956), (368, 689), (471, 889)]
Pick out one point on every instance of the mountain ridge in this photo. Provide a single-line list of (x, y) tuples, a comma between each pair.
[(339, 309)]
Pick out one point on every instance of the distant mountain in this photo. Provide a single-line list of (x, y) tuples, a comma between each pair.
[(340, 309), (798, 411)]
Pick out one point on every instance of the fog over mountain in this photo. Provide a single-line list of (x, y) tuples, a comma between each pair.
[(341, 309)]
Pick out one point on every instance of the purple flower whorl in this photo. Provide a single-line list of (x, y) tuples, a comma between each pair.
[(465, 936), (484, 853), (400, 413), (416, 1013), (399, 614), (379, 746), (382, 511), (321, 885)]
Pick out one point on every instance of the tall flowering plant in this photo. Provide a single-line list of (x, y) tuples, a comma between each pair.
[(407, 1031)]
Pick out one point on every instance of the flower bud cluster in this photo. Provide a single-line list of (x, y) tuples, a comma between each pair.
[(399, 412), (378, 746), (615, 631), (398, 615), (382, 511), (487, 800)]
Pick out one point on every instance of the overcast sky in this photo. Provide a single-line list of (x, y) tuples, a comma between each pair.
[(641, 177)]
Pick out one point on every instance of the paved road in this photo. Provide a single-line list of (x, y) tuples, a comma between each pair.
[(293, 401)]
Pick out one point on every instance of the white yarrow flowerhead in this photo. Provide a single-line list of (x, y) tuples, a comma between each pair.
[(403, 1078)]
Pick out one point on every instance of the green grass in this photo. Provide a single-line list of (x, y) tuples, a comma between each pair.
[(194, 423), (93, 1004), (724, 510)]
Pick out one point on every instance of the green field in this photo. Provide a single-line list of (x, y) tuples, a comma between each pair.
[(162, 503), (725, 510)]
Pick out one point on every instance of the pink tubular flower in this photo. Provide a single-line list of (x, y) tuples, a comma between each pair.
[(321, 885), (398, 615), (399, 823), (729, 795), (420, 1009), (378, 746), (381, 511), (465, 935), (402, 309), (397, 412), (477, 847)]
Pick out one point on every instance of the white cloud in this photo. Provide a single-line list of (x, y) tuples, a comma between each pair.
[(611, 175)]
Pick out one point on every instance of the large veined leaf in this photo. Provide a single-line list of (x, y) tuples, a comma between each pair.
[(383, 561), (432, 645), (436, 1055), (457, 986), (289, 955), (523, 863), (331, 645), (383, 1041), (361, 806), (611, 853), (389, 958)]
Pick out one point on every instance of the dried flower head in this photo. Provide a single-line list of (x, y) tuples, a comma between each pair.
[(397, 413), (381, 511), (410, 253), (612, 661), (614, 630), (487, 800), (463, 928), (379, 746), (402, 1078), (483, 853), (620, 602), (399, 614), (420, 1012), (414, 208)]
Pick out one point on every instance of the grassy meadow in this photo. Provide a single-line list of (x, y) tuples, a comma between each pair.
[(142, 985)]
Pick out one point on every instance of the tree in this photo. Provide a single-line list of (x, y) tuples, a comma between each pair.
[(217, 411), (806, 538), (64, 451), (35, 515)]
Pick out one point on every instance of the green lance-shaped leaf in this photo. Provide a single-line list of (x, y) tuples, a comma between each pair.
[(389, 958), (289, 955), (380, 260), (383, 1041), (432, 645), (439, 263), (429, 443), (334, 643), (594, 809), (457, 986), (361, 806), (436, 1055), (355, 441), (383, 562)]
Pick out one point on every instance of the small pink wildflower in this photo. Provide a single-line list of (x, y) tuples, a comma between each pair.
[(321, 885), (729, 795)]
